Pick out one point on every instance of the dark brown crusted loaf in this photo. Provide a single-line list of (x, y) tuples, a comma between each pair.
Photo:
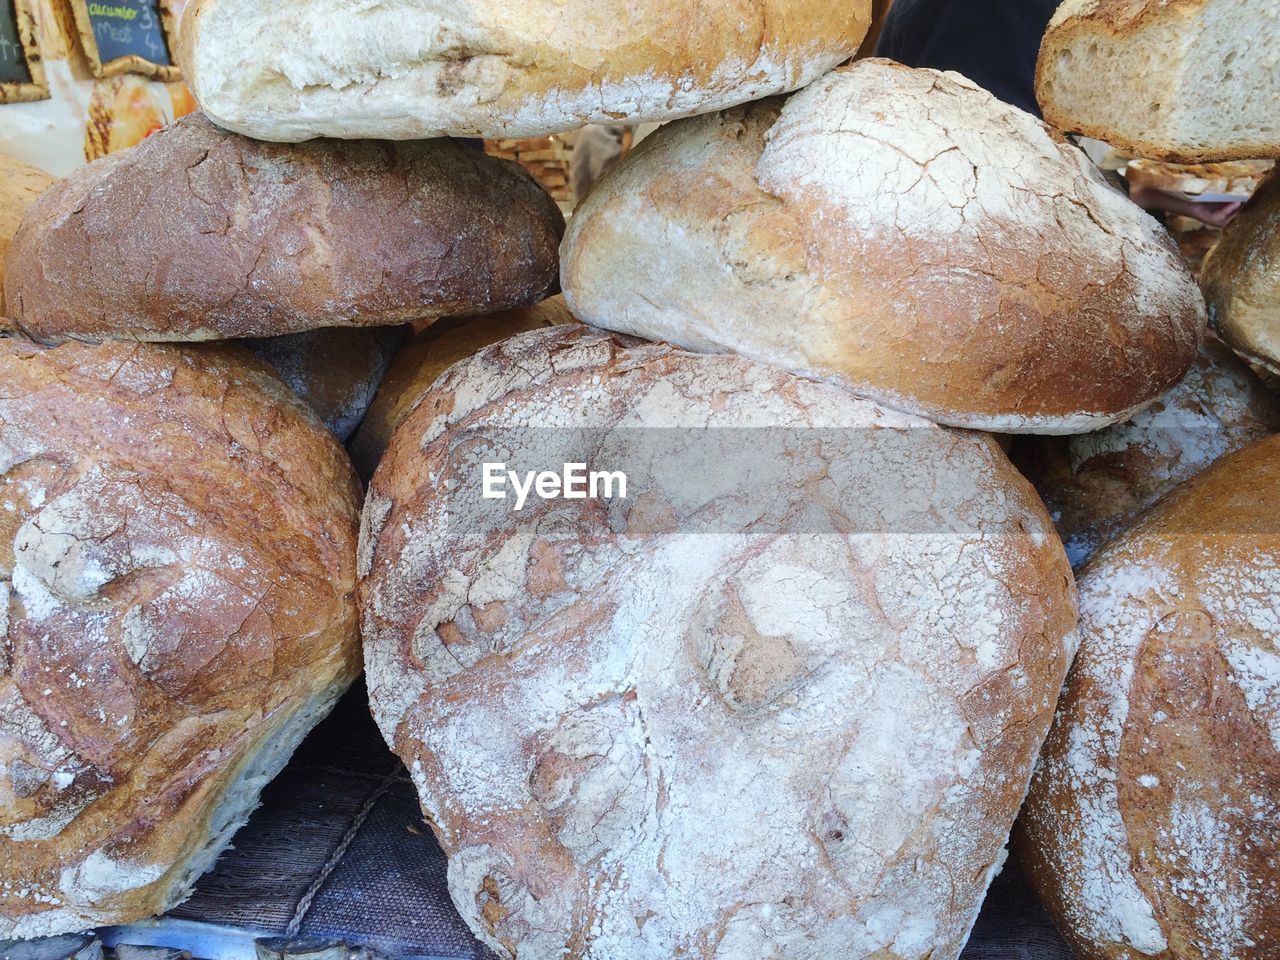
[(709, 720), (200, 234), (177, 542)]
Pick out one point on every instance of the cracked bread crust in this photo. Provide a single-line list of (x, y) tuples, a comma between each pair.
[(903, 233), (199, 234), (638, 742), (1149, 830), (177, 608), (485, 68)]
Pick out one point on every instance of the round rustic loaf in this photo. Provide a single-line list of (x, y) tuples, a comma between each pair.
[(487, 68), (1094, 484), (904, 233), (198, 234), (1241, 281), (177, 609), (335, 371), (780, 700), (421, 361), (20, 185), (1150, 829)]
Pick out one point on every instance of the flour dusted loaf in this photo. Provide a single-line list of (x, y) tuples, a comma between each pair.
[(199, 234), (1191, 81), (769, 704), (20, 185), (1150, 828), (299, 69), (336, 372), (1094, 484), (904, 233), (1241, 281), (419, 363), (177, 609)]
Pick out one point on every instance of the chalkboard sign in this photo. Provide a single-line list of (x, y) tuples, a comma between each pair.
[(127, 36), (21, 73)]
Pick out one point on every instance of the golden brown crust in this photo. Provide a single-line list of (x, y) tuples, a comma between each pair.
[(1094, 484), (1038, 302), (20, 185), (1241, 280), (487, 69), (1149, 829), (418, 364), (176, 607), (201, 234)]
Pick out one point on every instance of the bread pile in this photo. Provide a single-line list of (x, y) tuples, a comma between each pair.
[(779, 691)]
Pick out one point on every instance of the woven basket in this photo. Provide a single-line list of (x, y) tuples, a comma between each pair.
[(547, 158)]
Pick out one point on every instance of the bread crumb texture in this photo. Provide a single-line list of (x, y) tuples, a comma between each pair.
[(1189, 81), (636, 741), (904, 233), (1150, 827), (177, 608), (198, 234), (413, 69)]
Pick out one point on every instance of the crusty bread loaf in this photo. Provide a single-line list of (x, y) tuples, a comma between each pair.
[(20, 185), (1150, 830), (1191, 81), (199, 234), (177, 609), (902, 232), (1241, 280), (433, 351), (335, 371), (1094, 484), (765, 705), (488, 68)]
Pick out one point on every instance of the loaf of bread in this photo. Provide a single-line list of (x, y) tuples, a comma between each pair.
[(1094, 484), (421, 361), (1190, 81), (1241, 281), (177, 609), (1150, 829), (20, 185), (488, 68), (335, 371), (199, 234), (901, 232), (781, 699)]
